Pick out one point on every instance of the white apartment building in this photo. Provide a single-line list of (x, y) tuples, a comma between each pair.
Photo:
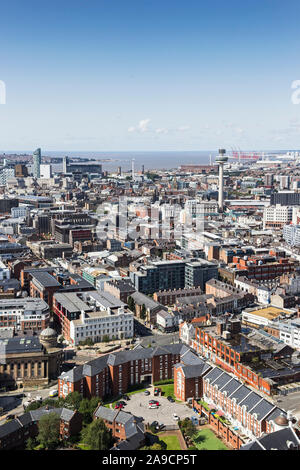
[(277, 216), (4, 271), (289, 332), (20, 211), (112, 323), (196, 208), (291, 283), (262, 293), (291, 234), (24, 314), (46, 171)]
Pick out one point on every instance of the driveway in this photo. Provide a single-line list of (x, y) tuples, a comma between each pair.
[(139, 406)]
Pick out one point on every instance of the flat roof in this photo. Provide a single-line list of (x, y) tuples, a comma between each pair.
[(269, 312)]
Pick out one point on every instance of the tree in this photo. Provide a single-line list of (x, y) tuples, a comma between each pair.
[(158, 446), (97, 436), (31, 444), (48, 435), (131, 304), (73, 399), (188, 427), (87, 408), (143, 312)]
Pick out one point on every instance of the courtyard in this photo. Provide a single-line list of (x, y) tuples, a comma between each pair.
[(139, 406)]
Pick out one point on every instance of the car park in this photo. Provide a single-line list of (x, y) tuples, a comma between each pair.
[(139, 405)]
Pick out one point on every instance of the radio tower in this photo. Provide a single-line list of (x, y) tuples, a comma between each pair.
[(221, 159)]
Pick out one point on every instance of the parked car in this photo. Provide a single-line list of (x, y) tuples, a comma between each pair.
[(53, 393), (154, 402), (121, 402), (126, 397), (157, 391), (175, 417), (153, 406), (119, 406), (171, 399), (146, 392), (10, 416), (157, 426)]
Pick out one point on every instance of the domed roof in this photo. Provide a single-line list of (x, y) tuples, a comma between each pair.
[(48, 332), (281, 420)]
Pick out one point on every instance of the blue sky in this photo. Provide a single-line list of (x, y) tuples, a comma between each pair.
[(149, 74)]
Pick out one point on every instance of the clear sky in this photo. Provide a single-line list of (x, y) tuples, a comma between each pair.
[(149, 74)]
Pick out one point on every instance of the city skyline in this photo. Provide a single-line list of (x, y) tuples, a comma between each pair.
[(149, 76)]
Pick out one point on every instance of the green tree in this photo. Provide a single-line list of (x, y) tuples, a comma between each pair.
[(34, 406), (87, 408), (31, 444), (73, 400), (143, 312), (131, 304), (97, 436), (188, 427), (48, 435), (158, 446)]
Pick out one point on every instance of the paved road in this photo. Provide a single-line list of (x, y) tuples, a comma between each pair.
[(16, 408), (289, 402), (139, 406), (160, 340)]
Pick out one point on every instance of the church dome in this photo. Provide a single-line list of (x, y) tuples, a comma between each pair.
[(48, 333)]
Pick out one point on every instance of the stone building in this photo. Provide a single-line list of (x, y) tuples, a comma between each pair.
[(29, 360)]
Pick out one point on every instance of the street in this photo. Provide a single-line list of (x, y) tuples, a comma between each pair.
[(16, 406)]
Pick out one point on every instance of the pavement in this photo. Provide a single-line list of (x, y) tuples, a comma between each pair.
[(290, 402), (139, 406), (160, 339)]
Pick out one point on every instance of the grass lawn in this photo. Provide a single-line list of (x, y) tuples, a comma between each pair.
[(171, 441), (206, 439), (168, 391), (83, 446)]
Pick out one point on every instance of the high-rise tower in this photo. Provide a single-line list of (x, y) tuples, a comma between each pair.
[(221, 159), (65, 164), (37, 158)]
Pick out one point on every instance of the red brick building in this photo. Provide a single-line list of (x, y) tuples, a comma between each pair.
[(15, 433), (113, 374)]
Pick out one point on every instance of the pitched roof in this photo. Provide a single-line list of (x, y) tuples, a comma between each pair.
[(194, 370), (9, 427), (284, 439)]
